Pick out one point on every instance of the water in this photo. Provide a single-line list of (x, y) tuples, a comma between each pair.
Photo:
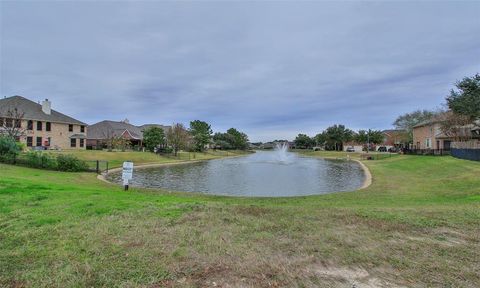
[(263, 174)]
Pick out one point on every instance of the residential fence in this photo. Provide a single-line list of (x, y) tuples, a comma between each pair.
[(49, 162), (431, 152), (468, 150), (376, 156)]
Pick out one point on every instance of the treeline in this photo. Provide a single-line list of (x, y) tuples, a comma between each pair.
[(334, 136), (197, 137)]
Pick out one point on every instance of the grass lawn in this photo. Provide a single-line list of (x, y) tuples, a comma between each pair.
[(417, 225), (116, 158)]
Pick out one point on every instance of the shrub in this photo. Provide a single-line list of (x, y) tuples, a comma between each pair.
[(40, 160), (70, 163), (9, 149)]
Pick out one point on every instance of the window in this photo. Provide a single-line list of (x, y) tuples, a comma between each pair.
[(39, 141), (18, 123), (30, 125), (29, 141), (39, 125), (81, 142), (82, 129), (428, 143), (48, 142), (1, 122), (70, 127), (8, 122), (48, 126), (73, 142)]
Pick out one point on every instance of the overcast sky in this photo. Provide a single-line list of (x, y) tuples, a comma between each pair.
[(271, 69)]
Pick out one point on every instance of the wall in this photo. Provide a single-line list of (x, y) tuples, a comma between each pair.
[(468, 154), (59, 134)]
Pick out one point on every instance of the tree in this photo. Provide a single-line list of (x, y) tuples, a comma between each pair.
[(11, 125), (453, 126), (303, 141), (9, 149), (336, 135), (466, 99), (240, 139), (370, 136), (408, 120), (320, 139), (178, 137), (201, 133), (153, 137), (233, 139)]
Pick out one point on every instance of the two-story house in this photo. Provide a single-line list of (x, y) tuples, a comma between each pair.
[(42, 127)]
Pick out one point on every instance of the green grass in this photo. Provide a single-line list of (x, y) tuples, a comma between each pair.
[(418, 224), (116, 158)]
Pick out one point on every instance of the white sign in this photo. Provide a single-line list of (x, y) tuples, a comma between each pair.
[(127, 172)]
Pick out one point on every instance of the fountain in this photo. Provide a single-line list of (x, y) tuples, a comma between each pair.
[(277, 173), (281, 153)]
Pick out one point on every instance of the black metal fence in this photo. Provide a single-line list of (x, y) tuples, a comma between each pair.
[(468, 154), (377, 156), (49, 162)]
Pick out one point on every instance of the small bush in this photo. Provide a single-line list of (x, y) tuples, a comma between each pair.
[(70, 163), (165, 150), (40, 160), (9, 149)]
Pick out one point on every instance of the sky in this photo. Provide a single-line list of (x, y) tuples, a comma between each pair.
[(270, 69)]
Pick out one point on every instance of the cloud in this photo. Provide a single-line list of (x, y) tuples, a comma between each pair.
[(272, 69)]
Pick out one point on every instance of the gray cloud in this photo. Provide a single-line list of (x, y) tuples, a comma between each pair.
[(272, 69)]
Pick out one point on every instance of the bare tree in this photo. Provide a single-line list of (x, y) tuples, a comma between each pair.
[(11, 124), (178, 137), (456, 126)]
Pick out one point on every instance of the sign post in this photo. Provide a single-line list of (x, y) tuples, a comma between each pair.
[(127, 173)]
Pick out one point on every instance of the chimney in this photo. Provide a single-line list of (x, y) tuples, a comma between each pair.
[(47, 107)]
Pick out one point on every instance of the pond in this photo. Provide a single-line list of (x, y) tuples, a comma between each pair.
[(262, 174)]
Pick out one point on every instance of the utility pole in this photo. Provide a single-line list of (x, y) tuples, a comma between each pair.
[(368, 140)]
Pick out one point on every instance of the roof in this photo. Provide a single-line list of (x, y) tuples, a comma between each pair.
[(146, 126), (33, 111), (107, 129), (435, 119), (394, 131)]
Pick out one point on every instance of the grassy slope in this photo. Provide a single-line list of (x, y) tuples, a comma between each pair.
[(418, 224), (116, 159)]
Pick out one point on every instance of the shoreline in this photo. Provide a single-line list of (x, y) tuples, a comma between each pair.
[(102, 177)]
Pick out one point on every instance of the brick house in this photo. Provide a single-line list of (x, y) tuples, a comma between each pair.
[(428, 135), (100, 133), (42, 127), (395, 138)]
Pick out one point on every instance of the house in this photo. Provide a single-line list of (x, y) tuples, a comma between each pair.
[(99, 134), (395, 138), (41, 127), (428, 135)]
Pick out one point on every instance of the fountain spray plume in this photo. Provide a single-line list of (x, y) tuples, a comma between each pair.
[(282, 154)]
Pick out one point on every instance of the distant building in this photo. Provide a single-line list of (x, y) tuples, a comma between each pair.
[(43, 127), (395, 138), (428, 135), (100, 133)]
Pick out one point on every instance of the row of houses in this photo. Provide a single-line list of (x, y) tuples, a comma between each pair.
[(45, 128)]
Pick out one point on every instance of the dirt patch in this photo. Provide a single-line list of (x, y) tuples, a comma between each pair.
[(351, 276), (252, 210)]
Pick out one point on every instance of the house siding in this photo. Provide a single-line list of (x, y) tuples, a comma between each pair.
[(59, 135), (424, 137)]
